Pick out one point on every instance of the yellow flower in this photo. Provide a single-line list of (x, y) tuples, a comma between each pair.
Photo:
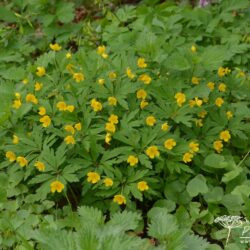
[(21, 161), (15, 139), (112, 75), (108, 182), (31, 98), (193, 48), (219, 101), (17, 104), (69, 68), (61, 106), (96, 106), (46, 121), (78, 77), (25, 81), (40, 71), (101, 81), (187, 157), (78, 126), (55, 47), (38, 86), (113, 119), (170, 144), (132, 160), (218, 146), (108, 138), (164, 126), (70, 108), (194, 146), (17, 95), (141, 94), (150, 121), (110, 127), (143, 104), (42, 111), (101, 49), (145, 78), (104, 55), (202, 114), (152, 152), (223, 71), (141, 63), (142, 186), (70, 140), (222, 87), (93, 177), (70, 129), (129, 73), (199, 122), (68, 55), (195, 80), (112, 101), (120, 199), (10, 156), (196, 101), (56, 186), (210, 85), (225, 135), (229, 115), (180, 98), (40, 166)]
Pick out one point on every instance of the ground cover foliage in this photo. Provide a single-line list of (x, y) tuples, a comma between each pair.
[(123, 126)]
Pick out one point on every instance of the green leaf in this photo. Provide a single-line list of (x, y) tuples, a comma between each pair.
[(197, 185), (65, 12), (231, 175), (177, 62), (215, 161)]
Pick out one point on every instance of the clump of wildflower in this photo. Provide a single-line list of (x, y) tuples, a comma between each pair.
[(112, 101), (11, 156), (142, 186), (194, 147), (69, 139), (195, 80), (38, 86), (223, 71), (119, 199), (96, 106), (141, 94), (225, 135), (180, 98), (170, 144), (132, 160), (210, 85), (146, 79), (55, 47), (165, 126), (93, 177), (22, 161), (78, 77), (15, 139), (31, 98), (219, 101), (56, 186), (129, 73), (222, 87), (218, 146), (141, 63), (46, 121), (187, 157), (150, 121), (40, 71), (152, 152), (108, 182), (40, 166), (101, 50)]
